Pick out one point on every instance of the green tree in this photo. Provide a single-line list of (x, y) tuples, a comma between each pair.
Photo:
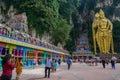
[(44, 16), (61, 33), (40, 16), (116, 36)]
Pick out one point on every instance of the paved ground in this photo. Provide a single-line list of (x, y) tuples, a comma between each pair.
[(77, 72)]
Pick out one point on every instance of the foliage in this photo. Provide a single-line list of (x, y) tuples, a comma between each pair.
[(40, 16), (44, 16), (70, 43), (65, 9), (116, 36), (61, 33)]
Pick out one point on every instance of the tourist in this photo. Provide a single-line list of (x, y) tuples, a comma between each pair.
[(81, 60), (63, 60), (53, 61), (87, 61), (107, 61), (112, 64), (96, 62), (93, 61), (7, 67), (19, 68), (69, 62), (90, 62), (103, 62), (55, 65), (48, 67), (59, 62), (113, 61)]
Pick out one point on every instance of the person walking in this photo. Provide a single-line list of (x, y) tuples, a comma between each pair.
[(112, 64), (107, 61), (69, 62), (96, 62), (59, 62), (55, 65), (19, 68), (52, 67), (7, 67), (48, 67), (113, 61), (103, 62)]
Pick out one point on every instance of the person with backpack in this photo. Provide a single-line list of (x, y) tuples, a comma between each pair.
[(69, 62)]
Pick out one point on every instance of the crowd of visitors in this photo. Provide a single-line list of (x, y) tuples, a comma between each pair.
[(51, 65), (9, 63), (103, 60)]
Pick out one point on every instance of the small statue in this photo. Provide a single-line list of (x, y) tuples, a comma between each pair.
[(24, 21), (11, 11)]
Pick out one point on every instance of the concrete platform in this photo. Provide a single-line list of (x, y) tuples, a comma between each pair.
[(77, 72)]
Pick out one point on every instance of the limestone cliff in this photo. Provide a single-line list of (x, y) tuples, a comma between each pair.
[(84, 14)]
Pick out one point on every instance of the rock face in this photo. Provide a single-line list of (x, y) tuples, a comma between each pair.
[(85, 14), (102, 3), (88, 8), (116, 14), (110, 7)]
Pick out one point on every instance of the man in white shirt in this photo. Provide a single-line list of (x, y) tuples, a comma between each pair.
[(114, 58), (48, 65)]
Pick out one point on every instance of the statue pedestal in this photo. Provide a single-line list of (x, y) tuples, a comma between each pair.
[(103, 55)]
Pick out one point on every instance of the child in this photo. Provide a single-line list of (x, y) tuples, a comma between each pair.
[(18, 68), (55, 65)]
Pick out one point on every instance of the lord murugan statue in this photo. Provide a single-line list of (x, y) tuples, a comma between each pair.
[(102, 33)]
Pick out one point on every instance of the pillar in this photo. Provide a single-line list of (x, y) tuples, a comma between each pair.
[(53, 55), (45, 55), (11, 47), (29, 62), (24, 56), (0, 63), (50, 53), (1, 50), (61, 57), (20, 53), (36, 57)]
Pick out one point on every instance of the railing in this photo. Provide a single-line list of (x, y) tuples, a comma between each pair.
[(29, 40)]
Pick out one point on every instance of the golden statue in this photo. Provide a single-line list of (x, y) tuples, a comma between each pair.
[(102, 33)]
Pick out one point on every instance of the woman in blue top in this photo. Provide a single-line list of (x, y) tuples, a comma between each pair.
[(55, 65)]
